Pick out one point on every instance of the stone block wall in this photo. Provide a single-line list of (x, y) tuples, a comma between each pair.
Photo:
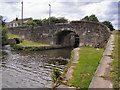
[(90, 33)]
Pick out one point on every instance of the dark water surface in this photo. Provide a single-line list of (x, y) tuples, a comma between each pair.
[(31, 69)]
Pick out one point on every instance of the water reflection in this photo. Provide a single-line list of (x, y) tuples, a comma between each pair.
[(31, 69)]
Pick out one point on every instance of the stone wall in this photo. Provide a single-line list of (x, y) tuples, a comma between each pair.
[(90, 33)]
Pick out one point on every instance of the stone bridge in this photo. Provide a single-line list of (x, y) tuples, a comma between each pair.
[(75, 33)]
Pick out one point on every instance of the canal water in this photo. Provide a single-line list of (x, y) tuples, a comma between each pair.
[(22, 69)]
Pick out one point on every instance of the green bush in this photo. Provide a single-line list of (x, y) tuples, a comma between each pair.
[(31, 22), (55, 73), (4, 36), (17, 47)]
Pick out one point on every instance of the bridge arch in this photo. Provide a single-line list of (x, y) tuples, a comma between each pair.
[(67, 38)]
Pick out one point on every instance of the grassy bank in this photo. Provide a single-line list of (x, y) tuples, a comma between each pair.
[(84, 71), (114, 70), (11, 36), (25, 43)]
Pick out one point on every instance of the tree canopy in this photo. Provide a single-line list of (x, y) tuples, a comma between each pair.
[(95, 19), (2, 22), (53, 20), (31, 22), (86, 18), (90, 18), (3, 32), (109, 25)]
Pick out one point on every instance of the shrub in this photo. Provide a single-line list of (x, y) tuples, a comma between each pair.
[(55, 73)]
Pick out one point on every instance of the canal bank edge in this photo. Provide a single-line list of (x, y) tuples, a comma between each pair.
[(68, 74), (35, 48)]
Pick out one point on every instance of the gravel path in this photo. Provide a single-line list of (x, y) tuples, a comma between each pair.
[(98, 81)]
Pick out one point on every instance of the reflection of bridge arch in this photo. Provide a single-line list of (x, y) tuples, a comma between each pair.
[(67, 38)]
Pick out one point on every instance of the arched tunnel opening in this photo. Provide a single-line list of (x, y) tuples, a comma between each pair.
[(76, 44), (67, 38)]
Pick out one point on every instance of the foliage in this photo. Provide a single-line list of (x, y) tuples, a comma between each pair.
[(109, 25), (45, 21), (2, 21), (31, 22), (95, 19), (19, 24), (86, 18), (63, 20), (91, 18), (4, 36), (3, 32), (38, 22), (53, 20), (55, 73), (15, 46)]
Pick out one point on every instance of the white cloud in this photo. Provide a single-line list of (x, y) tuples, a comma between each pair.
[(70, 9)]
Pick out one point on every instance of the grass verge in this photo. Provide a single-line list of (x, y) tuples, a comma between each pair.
[(114, 70), (11, 36), (88, 62), (25, 43)]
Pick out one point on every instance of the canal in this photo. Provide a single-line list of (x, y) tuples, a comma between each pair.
[(22, 69)]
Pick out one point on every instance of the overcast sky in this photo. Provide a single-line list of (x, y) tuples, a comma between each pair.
[(70, 9)]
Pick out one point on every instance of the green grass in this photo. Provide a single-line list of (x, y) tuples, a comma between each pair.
[(10, 36), (114, 70), (27, 43), (88, 62)]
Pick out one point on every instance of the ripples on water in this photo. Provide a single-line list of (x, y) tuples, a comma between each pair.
[(31, 69)]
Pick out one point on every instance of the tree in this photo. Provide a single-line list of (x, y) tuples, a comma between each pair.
[(31, 22), (38, 22), (4, 36), (109, 25), (2, 21), (54, 20), (63, 20), (90, 18), (86, 18), (3, 32), (45, 21), (93, 18)]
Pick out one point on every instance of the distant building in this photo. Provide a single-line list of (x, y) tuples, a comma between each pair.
[(17, 22)]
